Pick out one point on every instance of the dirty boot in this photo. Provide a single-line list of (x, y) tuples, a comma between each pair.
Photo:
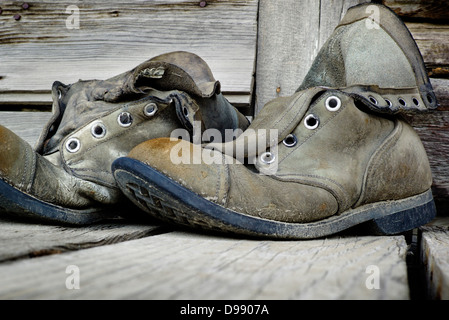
[(372, 48), (334, 155), (326, 163), (68, 177)]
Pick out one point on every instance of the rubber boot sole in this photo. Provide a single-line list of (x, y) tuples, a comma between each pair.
[(17, 203), (167, 200)]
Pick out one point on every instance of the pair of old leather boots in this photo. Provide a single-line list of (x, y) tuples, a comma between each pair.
[(335, 154)]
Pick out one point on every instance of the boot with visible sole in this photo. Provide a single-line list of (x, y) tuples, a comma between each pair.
[(310, 165), (335, 167), (67, 177)]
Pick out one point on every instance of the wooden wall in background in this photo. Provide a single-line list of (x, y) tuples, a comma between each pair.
[(40, 43)]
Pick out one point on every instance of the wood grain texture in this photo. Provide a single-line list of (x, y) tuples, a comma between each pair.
[(115, 36), (21, 239), (188, 266), (27, 125), (435, 258), (433, 42), (429, 9)]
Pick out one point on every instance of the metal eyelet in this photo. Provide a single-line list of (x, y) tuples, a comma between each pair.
[(333, 103), (290, 141), (373, 100), (150, 109), (125, 119), (415, 102), (402, 102), (185, 111), (73, 145), (311, 122), (98, 130), (389, 103), (267, 157)]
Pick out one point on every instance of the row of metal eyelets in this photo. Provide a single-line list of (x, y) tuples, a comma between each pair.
[(401, 101), (311, 122), (98, 129)]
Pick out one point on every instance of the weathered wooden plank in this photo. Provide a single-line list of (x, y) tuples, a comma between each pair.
[(115, 36), (290, 35), (27, 125), (433, 42), (191, 266), (430, 9), (435, 258), (22, 239)]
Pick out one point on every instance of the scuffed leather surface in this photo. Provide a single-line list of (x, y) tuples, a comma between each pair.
[(353, 157)]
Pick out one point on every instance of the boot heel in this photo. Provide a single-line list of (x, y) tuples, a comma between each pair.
[(404, 220)]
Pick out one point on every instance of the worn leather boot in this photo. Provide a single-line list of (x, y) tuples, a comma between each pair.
[(68, 177), (336, 165), (334, 155), (372, 48)]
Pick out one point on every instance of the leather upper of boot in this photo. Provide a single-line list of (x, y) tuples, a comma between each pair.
[(330, 153)]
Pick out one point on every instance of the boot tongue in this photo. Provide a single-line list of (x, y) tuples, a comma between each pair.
[(273, 123)]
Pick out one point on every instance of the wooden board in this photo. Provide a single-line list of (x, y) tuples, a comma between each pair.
[(27, 125), (435, 258), (115, 36), (192, 266), (429, 9), (433, 42), (22, 239)]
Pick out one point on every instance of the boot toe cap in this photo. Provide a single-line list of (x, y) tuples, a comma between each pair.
[(185, 163)]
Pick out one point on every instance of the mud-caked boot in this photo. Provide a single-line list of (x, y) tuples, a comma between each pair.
[(371, 52), (324, 162), (68, 177)]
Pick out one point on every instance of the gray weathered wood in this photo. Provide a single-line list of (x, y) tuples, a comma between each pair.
[(27, 125), (115, 36), (290, 35), (188, 266), (21, 239), (435, 257), (433, 42)]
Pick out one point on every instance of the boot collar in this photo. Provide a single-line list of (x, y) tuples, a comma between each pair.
[(80, 103)]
